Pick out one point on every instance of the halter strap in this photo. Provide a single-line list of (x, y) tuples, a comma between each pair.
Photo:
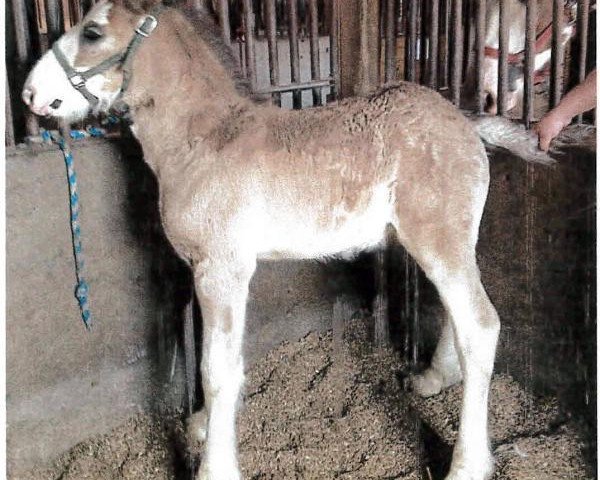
[(78, 79)]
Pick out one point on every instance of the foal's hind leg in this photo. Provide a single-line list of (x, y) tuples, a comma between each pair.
[(476, 327), (444, 370), (222, 289)]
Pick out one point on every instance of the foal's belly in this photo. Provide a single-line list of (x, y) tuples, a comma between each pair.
[(298, 235)]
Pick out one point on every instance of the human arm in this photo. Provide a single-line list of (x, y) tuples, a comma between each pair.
[(580, 99)]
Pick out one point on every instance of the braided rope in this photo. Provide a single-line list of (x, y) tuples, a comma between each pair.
[(81, 288)]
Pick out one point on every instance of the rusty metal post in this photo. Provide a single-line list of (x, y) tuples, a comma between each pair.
[(479, 55), (23, 50), (583, 12), (315, 67), (294, 50), (223, 13), (249, 35), (390, 41), (432, 77), (271, 27), (503, 57), (457, 51), (557, 53), (528, 94)]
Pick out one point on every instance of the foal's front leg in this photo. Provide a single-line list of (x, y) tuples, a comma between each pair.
[(222, 292)]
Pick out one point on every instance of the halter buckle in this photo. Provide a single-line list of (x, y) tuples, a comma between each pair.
[(77, 81), (147, 26)]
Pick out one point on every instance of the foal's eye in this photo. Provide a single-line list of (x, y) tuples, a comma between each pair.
[(92, 31)]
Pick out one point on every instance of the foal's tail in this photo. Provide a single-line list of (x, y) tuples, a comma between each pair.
[(501, 132)]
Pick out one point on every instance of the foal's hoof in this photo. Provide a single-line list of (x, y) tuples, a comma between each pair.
[(427, 384), (221, 473), (483, 470), (196, 428)]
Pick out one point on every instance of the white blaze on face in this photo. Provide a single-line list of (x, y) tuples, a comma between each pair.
[(48, 91)]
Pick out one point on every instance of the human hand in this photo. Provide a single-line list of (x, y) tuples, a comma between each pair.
[(549, 127)]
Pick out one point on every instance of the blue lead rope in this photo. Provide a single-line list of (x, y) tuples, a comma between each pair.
[(82, 288)]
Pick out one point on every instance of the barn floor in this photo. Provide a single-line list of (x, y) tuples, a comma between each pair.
[(324, 408)]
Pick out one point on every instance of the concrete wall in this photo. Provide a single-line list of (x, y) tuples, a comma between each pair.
[(64, 384)]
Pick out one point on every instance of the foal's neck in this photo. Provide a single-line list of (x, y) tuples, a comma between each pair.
[(181, 92)]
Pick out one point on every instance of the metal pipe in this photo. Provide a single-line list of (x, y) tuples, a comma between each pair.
[(22, 38), (434, 44), (530, 34), (271, 14), (557, 54), (457, 51), (296, 86), (334, 49), (390, 41), (411, 44), (479, 55), (294, 50), (444, 53), (503, 57), (583, 12), (9, 134), (23, 50), (53, 20), (423, 34), (223, 13), (249, 35), (315, 67)]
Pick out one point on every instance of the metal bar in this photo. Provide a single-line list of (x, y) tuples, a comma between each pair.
[(457, 51), (296, 86), (272, 46), (294, 50), (444, 53), (9, 134), (382, 327), (583, 12), (503, 58), (249, 35), (334, 49), (390, 41), (189, 342), (23, 50), (411, 43), (557, 54), (315, 68), (415, 316), (22, 39), (479, 55), (530, 34), (223, 13), (423, 34), (434, 27), (53, 20)]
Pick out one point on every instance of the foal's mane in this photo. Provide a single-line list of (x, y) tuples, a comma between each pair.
[(206, 27)]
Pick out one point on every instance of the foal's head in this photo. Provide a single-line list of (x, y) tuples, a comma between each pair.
[(105, 31)]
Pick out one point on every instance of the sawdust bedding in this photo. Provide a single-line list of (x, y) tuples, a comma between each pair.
[(331, 408)]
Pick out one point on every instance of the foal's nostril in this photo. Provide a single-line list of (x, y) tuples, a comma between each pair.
[(27, 95), (56, 103)]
